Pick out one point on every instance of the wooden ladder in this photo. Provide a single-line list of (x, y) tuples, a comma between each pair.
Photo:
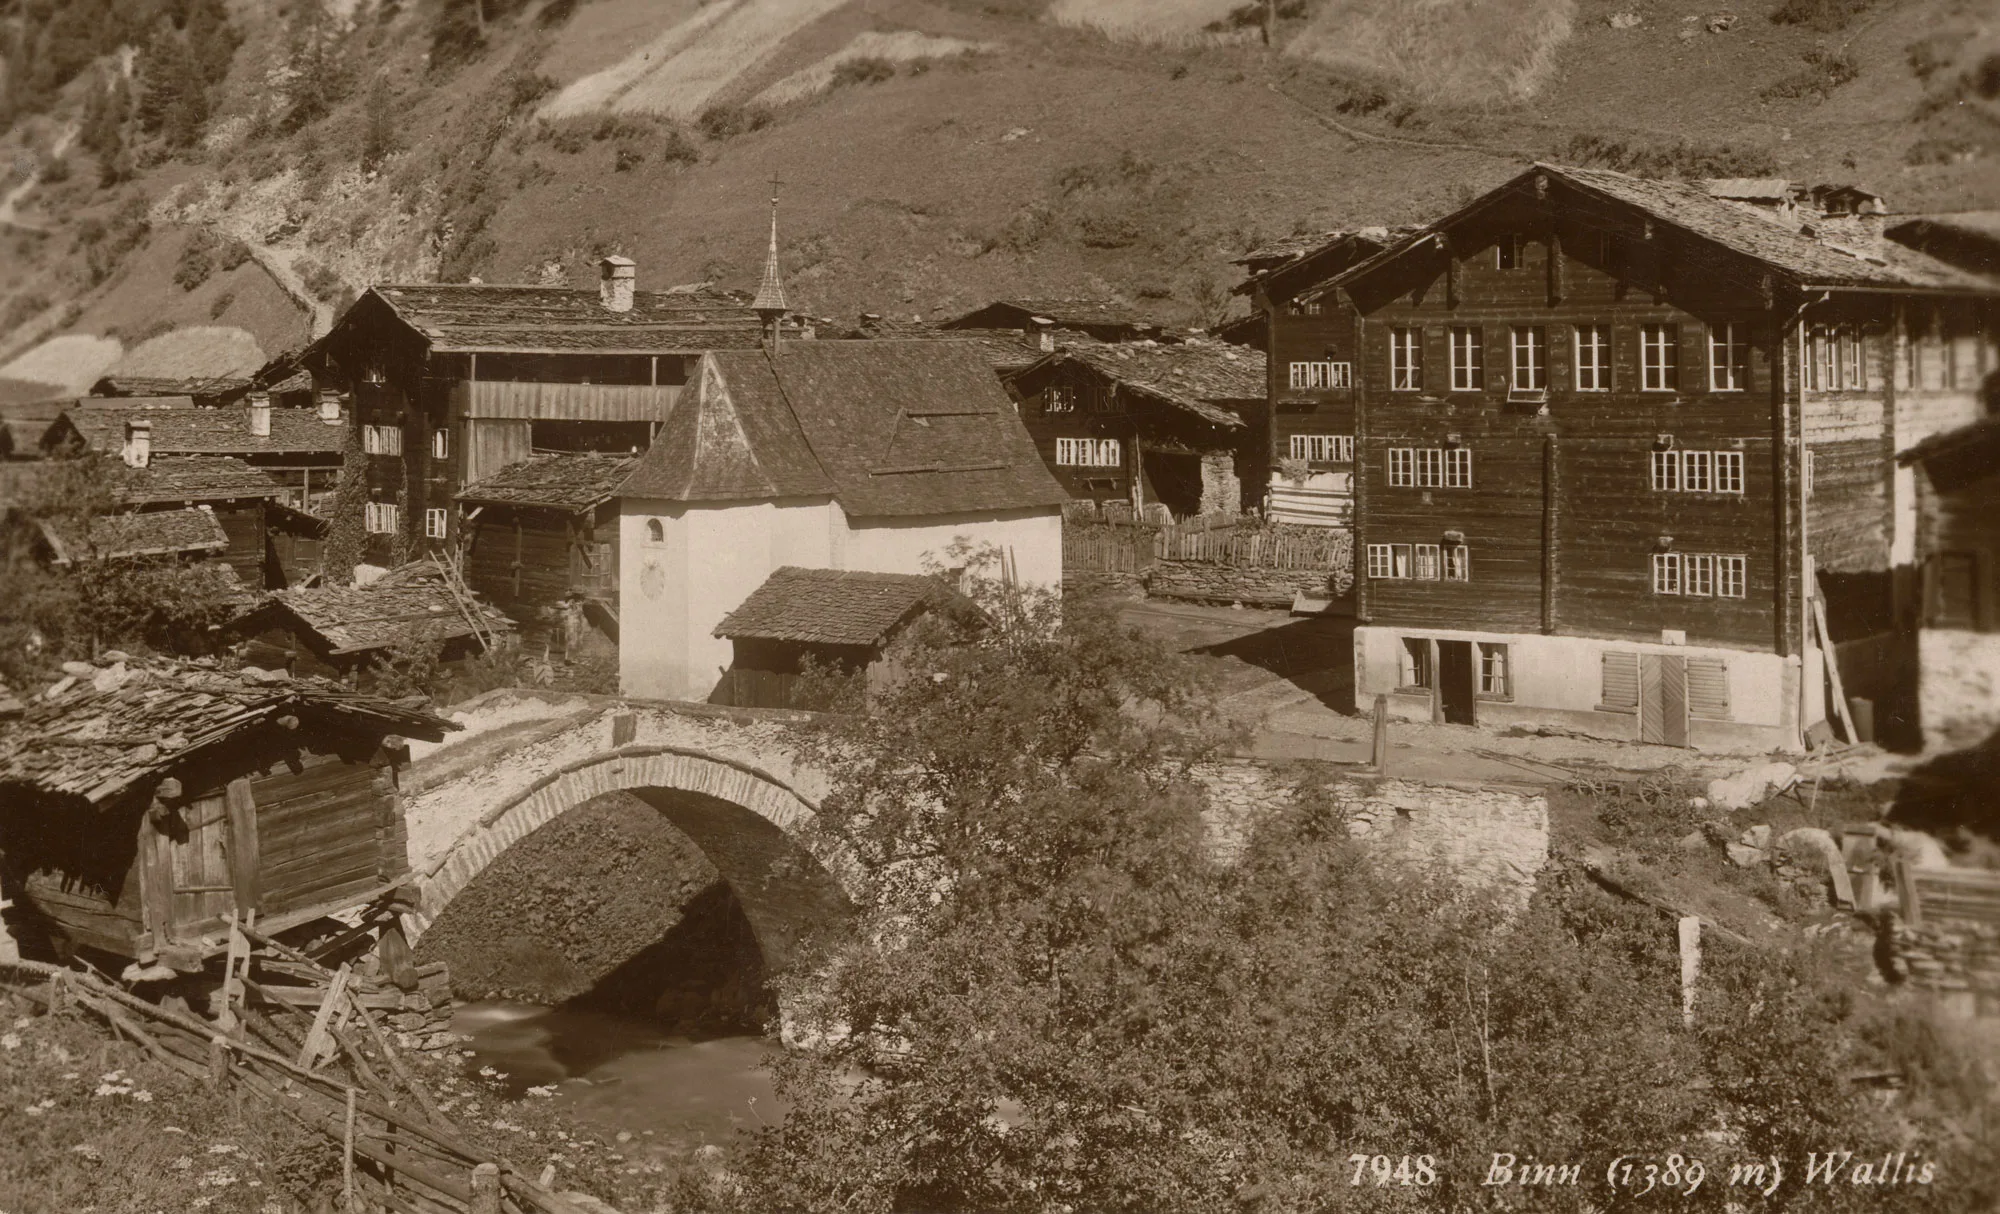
[(461, 594)]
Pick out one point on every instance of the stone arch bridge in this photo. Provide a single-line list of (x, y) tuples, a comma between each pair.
[(733, 782)]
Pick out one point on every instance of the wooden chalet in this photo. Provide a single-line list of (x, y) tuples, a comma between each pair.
[(344, 632), (1307, 421), (844, 622), (1958, 545), (144, 803), (300, 449), (1142, 428), (1098, 319), (1969, 240), (453, 382), (1626, 456), (541, 535)]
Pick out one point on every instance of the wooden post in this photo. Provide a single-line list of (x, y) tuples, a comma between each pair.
[(218, 1061), (1381, 748), (485, 1189), (1551, 531), (347, 1156), (1437, 685), (1690, 933), (320, 1042)]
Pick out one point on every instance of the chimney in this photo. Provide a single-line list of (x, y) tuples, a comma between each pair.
[(260, 415), (329, 406), (616, 277), (138, 442), (1042, 331)]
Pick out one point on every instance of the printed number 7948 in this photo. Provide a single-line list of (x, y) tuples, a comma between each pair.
[(1388, 1171)]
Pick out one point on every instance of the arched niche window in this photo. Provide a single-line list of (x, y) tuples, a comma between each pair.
[(655, 533)]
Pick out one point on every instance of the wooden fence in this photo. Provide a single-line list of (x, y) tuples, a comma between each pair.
[(1931, 895), (1112, 548)]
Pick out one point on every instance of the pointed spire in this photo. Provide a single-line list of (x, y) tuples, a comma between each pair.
[(770, 301)]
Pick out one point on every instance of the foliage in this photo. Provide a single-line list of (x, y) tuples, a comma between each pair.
[(719, 122), (56, 171), (181, 68), (106, 243), (51, 42), (1824, 72), (197, 259), (1652, 802), (1826, 16), (1114, 204), (1682, 158), (410, 668), (378, 125), (863, 69), (319, 278), (346, 540)]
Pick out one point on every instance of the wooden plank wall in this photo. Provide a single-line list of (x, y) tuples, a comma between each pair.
[(520, 556), (326, 829)]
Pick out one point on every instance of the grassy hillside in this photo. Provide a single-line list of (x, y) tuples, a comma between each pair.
[(933, 153)]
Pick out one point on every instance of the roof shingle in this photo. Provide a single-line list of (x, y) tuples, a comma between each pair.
[(482, 317), (1194, 376), (145, 533), (572, 481), (196, 478), (408, 605), (186, 429), (837, 607)]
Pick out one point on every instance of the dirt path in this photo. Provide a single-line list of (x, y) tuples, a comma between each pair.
[(10, 204)]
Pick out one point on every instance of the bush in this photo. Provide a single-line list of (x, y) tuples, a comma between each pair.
[(1824, 72), (1682, 158), (319, 279), (1826, 16), (628, 159), (526, 88), (220, 304), (719, 122), (866, 69), (56, 171), (197, 259)]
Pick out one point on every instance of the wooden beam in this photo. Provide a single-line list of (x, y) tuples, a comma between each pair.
[(1551, 531), (1829, 660), (1437, 685), (1558, 270)]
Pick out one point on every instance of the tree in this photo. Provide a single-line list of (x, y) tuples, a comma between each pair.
[(173, 101), (1060, 999)]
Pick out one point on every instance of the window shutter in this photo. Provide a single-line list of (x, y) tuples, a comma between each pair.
[(1621, 681), (1708, 688)]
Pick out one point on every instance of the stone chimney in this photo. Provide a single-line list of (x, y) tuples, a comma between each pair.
[(1042, 333), (138, 451), (260, 415), (616, 278), (329, 406)]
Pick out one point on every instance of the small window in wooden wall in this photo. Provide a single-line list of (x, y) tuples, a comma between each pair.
[(1507, 252), (1954, 590)]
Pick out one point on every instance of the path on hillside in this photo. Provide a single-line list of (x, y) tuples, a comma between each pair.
[(10, 205)]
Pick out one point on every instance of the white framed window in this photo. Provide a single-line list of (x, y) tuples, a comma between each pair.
[(1389, 561), (381, 518), (1318, 375), (1416, 663), (1307, 307), (441, 443), (1458, 467), (1406, 360), (1530, 359), (1806, 471), (382, 440), (434, 523), (1853, 365), (1729, 471), (1659, 358), (1695, 466), (1457, 563), (1430, 467), (1666, 573), (1666, 471), (1424, 562), (1731, 576), (1089, 453), (1728, 357), (1698, 572), (1059, 398), (1468, 360), (1507, 252), (1593, 358), (1401, 462), (1323, 448), (1494, 679)]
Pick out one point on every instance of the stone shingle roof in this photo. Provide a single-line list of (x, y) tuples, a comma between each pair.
[(562, 481), (1080, 314), (196, 478), (146, 533), (1194, 376), (101, 731), (406, 606), (888, 428), (482, 317), (186, 429), (837, 606)]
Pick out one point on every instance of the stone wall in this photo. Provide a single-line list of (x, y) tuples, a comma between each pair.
[(1494, 837), (1958, 687), (1959, 961), (1252, 586)]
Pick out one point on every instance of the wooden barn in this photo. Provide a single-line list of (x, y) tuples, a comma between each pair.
[(841, 621), (144, 804), (541, 535), (344, 631)]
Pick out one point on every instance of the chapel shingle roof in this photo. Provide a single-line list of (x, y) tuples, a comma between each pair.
[(1194, 376), (142, 533), (94, 735), (888, 428), (570, 481), (196, 478), (485, 317), (838, 606), (408, 605), (187, 429)]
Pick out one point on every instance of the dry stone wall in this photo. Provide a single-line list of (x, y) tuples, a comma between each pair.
[(1960, 961), (1252, 586)]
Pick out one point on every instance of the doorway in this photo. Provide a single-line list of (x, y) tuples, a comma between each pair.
[(1663, 713), (1457, 686)]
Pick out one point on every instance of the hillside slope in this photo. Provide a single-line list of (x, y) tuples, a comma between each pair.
[(919, 177)]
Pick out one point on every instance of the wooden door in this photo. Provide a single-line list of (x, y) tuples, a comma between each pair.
[(1663, 713), (1456, 681), (214, 863)]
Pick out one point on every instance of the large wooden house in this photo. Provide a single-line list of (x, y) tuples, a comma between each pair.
[(1307, 332), (1958, 544), (1626, 456), (453, 382), (143, 804), (1138, 429)]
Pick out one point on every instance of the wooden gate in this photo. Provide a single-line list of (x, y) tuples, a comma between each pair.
[(1663, 713)]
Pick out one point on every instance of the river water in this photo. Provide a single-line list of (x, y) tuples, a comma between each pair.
[(625, 1073)]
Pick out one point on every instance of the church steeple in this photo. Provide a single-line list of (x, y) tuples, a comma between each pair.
[(770, 303)]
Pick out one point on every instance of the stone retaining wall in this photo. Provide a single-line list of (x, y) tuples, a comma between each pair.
[(1253, 586), (1959, 961)]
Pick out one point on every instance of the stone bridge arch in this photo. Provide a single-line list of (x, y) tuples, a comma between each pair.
[(750, 823)]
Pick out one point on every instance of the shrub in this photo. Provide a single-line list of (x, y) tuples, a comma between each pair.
[(864, 69), (526, 88), (1826, 16), (1682, 158), (21, 309), (627, 159), (220, 304), (56, 171), (320, 279), (1824, 72), (719, 122), (197, 259)]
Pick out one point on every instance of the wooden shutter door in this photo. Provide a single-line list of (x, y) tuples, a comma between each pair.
[(1650, 727), (1621, 681), (204, 891), (1663, 705), (1708, 689)]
